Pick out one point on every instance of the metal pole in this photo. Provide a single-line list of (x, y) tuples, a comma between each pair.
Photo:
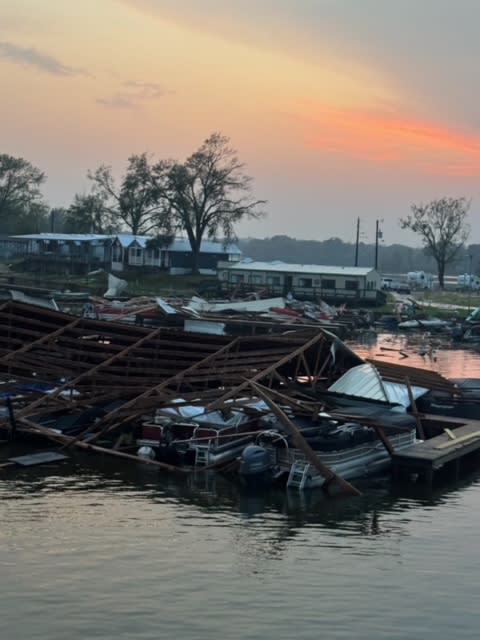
[(356, 244), (12, 431), (376, 245), (470, 282)]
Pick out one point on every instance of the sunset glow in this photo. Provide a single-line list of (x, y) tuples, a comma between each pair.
[(378, 137), (315, 97)]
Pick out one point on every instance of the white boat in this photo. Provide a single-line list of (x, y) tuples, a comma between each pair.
[(188, 435), (349, 446), (432, 324), (351, 450)]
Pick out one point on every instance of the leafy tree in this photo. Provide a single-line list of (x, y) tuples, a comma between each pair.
[(21, 202), (34, 220), (441, 224), (160, 241), (207, 194), (88, 214), (135, 204)]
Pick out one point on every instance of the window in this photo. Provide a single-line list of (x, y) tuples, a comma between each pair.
[(273, 280), (351, 285), (237, 277), (117, 253), (254, 279), (305, 282), (135, 256), (328, 284)]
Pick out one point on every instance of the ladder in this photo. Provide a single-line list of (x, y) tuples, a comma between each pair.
[(201, 456), (298, 475)]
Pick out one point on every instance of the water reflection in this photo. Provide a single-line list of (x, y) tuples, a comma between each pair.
[(262, 523), (101, 494), (431, 351), (95, 547)]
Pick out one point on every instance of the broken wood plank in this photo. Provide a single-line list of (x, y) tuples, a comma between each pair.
[(41, 457)]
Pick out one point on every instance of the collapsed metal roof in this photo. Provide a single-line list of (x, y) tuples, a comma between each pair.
[(60, 361), (52, 361)]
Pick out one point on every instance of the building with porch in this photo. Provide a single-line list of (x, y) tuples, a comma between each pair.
[(66, 253), (77, 254), (175, 257), (304, 281)]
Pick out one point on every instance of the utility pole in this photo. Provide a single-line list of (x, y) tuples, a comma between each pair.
[(357, 241), (470, 280), (378, 235)]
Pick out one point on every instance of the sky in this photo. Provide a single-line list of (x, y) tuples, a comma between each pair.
[(340, 110)]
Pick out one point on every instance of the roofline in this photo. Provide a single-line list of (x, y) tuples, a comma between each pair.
[(304, 268)]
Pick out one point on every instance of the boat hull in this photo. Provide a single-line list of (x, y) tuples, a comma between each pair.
[(350, 463)]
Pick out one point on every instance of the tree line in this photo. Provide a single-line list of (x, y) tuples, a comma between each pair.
[(206, 197), (392, 259)]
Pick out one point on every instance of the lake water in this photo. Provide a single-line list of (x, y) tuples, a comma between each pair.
[(95, 548)]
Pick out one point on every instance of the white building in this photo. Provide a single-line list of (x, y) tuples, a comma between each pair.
[(304, 280), (175, 257)]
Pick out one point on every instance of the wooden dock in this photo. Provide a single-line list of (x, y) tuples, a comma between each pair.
[(459, 439)]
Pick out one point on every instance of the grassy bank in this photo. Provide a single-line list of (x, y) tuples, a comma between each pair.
[(447, 304), (139, 283), (448, 297)]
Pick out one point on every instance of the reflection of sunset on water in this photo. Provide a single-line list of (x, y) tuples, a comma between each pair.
[(427, 351)]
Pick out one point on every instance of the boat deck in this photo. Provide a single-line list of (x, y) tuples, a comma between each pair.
[(459, 439)]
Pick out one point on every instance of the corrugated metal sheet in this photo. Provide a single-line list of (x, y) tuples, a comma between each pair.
[(361, 381), (364, 381), (73, 237), (394, 372)]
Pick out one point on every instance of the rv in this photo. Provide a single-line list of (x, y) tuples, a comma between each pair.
[(468, 281), (420, 280)]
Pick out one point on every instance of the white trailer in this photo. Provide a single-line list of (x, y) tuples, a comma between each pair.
[(420, 280), (468, 281)]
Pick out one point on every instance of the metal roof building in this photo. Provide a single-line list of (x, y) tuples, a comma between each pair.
[(313, 281)]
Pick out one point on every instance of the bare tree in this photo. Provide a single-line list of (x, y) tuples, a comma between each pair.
[(441, 224), (206, 195), (134, 204)]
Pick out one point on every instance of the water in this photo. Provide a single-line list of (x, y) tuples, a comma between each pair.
[(435, 352), (96, 548)]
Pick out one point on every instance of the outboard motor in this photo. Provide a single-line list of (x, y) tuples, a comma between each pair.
[(146, 452), (255, 465)]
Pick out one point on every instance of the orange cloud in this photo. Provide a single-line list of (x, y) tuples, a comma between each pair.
[(396, 139)]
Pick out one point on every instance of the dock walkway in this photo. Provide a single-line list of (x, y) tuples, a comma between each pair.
[(459, 439)]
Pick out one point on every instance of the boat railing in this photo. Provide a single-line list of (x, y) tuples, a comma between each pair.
[(214, 436)]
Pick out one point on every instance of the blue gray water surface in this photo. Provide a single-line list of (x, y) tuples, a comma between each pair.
[(97, 549)]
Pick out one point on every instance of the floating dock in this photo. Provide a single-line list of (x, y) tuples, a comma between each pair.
[(459, 439)]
